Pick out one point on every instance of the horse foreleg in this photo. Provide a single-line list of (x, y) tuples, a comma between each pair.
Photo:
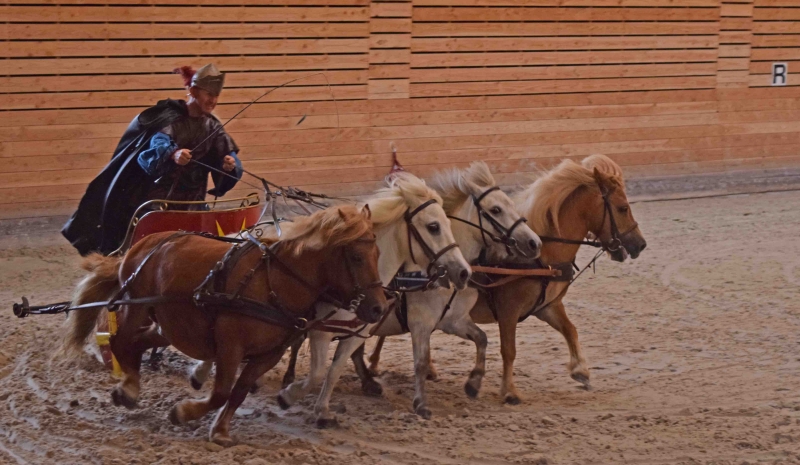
[(319, 342), (288, 377), (228, 359), (465, 328), (345, 349), (421, 343), (220, 429), (556, 316), (375, 356), (369, 386), (508, 349)]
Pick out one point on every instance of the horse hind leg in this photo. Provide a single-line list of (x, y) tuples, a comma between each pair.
[(288, 377), (200, 374), (556, 316), (318, 342), (375, 356), (369, 386)]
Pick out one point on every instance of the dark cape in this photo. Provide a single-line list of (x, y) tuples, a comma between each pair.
[(105, 211)]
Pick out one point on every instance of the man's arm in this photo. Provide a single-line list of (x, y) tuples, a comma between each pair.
[(153, 160)]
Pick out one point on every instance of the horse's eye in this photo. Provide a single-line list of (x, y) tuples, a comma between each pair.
[(434, 228), (496, 210), (623, 209), (356, 258)]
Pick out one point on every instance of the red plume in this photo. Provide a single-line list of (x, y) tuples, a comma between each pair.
[(186, 72)]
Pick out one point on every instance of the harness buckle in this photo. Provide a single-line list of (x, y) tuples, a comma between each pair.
[(614, 245), (301, 324)]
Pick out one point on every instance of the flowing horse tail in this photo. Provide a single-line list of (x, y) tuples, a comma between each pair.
[(100, 284)]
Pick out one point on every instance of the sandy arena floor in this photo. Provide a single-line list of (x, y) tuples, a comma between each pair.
[(694, 350)]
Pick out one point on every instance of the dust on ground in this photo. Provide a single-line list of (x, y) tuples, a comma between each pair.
[(694, 351)]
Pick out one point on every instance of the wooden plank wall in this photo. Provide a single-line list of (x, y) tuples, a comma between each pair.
[(662, 86)]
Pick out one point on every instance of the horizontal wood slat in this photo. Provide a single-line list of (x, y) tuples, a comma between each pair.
[(36, 66), (541, 29), (454, 14), (602, 57), (561, 43), (94, 31), (181, 47), (187, 14)]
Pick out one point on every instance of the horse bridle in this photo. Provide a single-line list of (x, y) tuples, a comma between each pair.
[(358, 290), (433, 257), (506, 234), (616, 237)]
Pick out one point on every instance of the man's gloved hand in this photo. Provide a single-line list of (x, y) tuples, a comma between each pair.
[(182, 156), (228, 163)]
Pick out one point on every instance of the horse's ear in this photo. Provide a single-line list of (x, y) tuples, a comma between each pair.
[(473, 188), (341, 214), (366, 211), (604, 182)]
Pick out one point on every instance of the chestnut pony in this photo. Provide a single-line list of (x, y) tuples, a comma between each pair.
[(330, 253), (568, 202)]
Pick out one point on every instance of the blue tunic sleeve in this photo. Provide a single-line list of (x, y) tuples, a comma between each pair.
[(153, 159)]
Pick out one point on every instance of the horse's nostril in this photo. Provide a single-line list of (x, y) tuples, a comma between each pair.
[(533, 244), (377, 310), (644, 244), (464, 275)]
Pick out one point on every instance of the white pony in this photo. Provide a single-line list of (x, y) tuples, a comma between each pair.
[(407, 206), (488, 214)]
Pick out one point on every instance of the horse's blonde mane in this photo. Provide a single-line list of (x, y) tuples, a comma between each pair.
[(542, 200), (453, 184), (404, 191), (331, 227)]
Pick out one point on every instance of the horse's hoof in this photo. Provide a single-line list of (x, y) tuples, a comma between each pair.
[(511, 399), (472, 391), (582, 378), (196, 384), (282, 402), (118, 397), (287, 380), (223, 440), (372, 388), (174, 416), (373, 370), (254, 388), (423, 412), (327, 423), (432, 376)]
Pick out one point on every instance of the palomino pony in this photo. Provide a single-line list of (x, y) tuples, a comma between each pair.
[(563, 206), (412, 231), (250, 308), (471, 198)]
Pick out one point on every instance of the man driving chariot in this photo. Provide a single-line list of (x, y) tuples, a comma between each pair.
[(155, 159)]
